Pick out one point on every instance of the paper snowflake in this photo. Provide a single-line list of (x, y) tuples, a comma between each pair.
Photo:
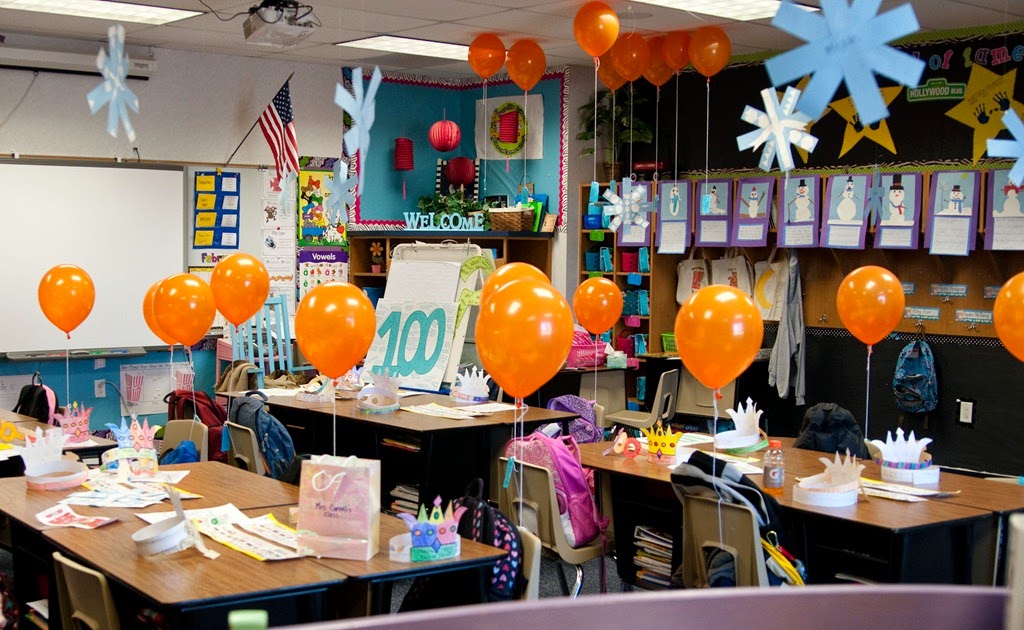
[(845, 43), (362, 108), (341, 194), (113, 91), (778, 126), (286, 198), (630, 208), (875, 202), (1011, 148)]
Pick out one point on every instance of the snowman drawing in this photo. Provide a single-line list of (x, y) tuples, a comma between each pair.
[(955, 203), (847, 209), (800, 207), (753, 203), (1011, 205), (714, 208), (673, 200), (897, 209)]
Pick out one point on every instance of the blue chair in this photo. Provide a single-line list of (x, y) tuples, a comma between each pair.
[(265, 340)]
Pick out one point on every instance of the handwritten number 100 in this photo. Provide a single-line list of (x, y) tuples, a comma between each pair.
[(396, 357)]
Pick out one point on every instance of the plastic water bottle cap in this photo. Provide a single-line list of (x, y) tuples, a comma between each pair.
[(774, 443)]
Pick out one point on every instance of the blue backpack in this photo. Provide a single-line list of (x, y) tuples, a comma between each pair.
[(915, 384), (275, 442)]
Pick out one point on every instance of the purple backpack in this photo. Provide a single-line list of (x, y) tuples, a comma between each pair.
[(580, 519), (583, 429)]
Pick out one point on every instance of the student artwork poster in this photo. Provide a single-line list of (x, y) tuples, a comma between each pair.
[(899, 224), (711, 204), (845, 219), (1003, 213), (673, 216), (752, 209), (798, 211), (952, 212)]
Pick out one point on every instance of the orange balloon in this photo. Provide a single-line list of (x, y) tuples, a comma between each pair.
[(657, 71), (525, 63), (66, 295), (630, 56), (240, 285), (149, 312), (523, 335), (597, 304), (709, 50), (1008, 315), (596, 26), (184, 308), (870, 301), (486, 55), (607, 74), (334, 326), (507, 273), (675, 50), (718, 333)]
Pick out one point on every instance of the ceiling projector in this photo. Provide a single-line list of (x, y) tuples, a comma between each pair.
[(279, 23)]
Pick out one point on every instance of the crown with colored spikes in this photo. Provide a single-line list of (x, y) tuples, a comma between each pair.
[(42, 447), (901, 450), (142, 435), (122, 434), (382, 396), (75, 422), (471, 387), (435, 535), (661, 444)]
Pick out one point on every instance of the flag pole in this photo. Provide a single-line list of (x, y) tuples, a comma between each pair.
[(246, 137)]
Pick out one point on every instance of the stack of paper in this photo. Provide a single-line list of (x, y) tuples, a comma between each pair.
[(405, 498), (653, 557)]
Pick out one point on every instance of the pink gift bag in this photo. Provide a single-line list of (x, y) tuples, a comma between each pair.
[(339, 507)]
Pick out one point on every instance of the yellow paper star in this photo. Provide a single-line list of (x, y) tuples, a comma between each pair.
[(988, 95), (877, 133), (804, 153)]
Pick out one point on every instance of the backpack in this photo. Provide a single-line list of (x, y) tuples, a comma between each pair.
[(580, 519), (583, 429), (183, 453), (915, 384), (275, 442), (180, 407), (829, 428), (37, 401)]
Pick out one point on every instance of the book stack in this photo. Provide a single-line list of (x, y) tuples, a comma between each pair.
[(405, 498), (653, 558)]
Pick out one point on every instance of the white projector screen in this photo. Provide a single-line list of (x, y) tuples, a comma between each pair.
[(123, 225)]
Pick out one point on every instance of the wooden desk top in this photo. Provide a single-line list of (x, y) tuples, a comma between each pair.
[(29, 425), (10, 416)]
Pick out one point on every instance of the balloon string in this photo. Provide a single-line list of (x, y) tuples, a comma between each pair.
[(615, 154), (630, 165), (484, 184), (597, 64), (675, 136), (67, 372), (657, 125), (867, 394), (526, 108), (716, 394), (707, 132), (519, 432), (334, 427)]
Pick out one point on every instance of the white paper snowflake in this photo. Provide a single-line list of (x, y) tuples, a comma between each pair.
[(113, 90), (631, 208), (778, 126)]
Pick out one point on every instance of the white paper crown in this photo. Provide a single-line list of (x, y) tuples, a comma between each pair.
[(837, 486), (44, 447), (382, 396), (747, 432), (471, 387), (901, 450)]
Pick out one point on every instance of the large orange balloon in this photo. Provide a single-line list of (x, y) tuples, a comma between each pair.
[(870, 301), (597, 304), (710, 49), (525, 63), (486, 55), (607, 74), (184, 308), (149, 313), (718, 333), (630, 56), (523, 335), (675, 50), (1008, 315), (657, 71), (596, 26), (334, 326), (240, 285), (507, 273), (66, 295)]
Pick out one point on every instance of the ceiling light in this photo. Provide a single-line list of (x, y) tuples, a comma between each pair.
[(406, 46), (99, 9), (740, 10)]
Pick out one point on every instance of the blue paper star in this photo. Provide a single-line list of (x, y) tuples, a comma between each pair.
[(779, 126), (286, 198), (341, 194), (362, 109), (113, 90), (845, 43), (1011, 148)]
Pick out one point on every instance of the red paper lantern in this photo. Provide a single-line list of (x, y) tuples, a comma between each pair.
[(444, 135), (461, 171), (403, 158), (508, 126)]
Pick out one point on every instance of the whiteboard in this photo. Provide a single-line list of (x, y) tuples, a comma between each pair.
[(122, 224)]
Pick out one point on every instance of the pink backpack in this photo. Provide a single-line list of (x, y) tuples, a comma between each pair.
[(580, 519)]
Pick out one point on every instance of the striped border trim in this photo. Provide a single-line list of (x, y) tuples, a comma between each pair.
[(953, 340), (563, 156)]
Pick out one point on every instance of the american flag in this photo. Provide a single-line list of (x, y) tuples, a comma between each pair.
[(278, 128)]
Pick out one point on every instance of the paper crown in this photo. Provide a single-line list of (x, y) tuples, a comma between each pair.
[(435, 535), (471, 387), (837, 486), (320, 389), (122, 434), (747, 433), (382, 396), (901, 450), (75, 422), (661, 443), (42, 447), (904, 460)]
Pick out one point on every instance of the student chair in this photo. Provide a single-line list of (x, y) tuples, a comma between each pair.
[(662, 408), (1015, 574), (265, 340), (531, 564), (540, 515), (177, 431), (710, 527), (84, 595), (244, 451)]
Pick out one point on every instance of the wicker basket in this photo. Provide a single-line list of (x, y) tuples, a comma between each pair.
[(512, 219)]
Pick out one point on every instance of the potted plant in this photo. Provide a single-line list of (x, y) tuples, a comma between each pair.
[(615, 129), (376, 256), (455, 204)]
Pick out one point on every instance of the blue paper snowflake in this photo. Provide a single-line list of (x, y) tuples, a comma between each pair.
[(631, 208), (362, 109), (113, 90), (1011, 148), (286, 198), (875, 202), (340, 194), (845, 43), (778, 126)]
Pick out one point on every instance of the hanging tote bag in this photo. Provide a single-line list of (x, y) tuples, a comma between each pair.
[(692, 277), (733, 270), (770, 286), (339, 507)]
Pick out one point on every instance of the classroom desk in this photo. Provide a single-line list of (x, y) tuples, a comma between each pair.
[(90, 453), (879, 539)]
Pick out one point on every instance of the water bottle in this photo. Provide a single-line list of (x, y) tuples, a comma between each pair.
[(774, 467)]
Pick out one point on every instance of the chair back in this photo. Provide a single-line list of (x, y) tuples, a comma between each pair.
[(84, 596), (177, 431), (664, 405), (539, 504), (265, 340), (710, 525), (531, 564), (1014, 574), (245, 450)]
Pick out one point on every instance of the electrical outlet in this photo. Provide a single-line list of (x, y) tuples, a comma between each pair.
[(965, 415), (100, 388), (99, 364)]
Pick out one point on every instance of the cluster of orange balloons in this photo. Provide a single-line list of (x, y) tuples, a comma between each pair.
[(525, 61), (660, 57)]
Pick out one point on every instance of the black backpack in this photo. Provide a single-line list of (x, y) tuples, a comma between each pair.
[(37, 401), (275, 442), (829, 428)]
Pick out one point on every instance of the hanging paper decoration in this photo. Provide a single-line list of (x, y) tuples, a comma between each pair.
[(113, 91), (461, 171), (779, 126), (340, 193), (628, 209), (845, 43), (875, 201), (403, 158), (1011, 148), (362, 108), (444, 135), (508, 130), (286, 198)]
